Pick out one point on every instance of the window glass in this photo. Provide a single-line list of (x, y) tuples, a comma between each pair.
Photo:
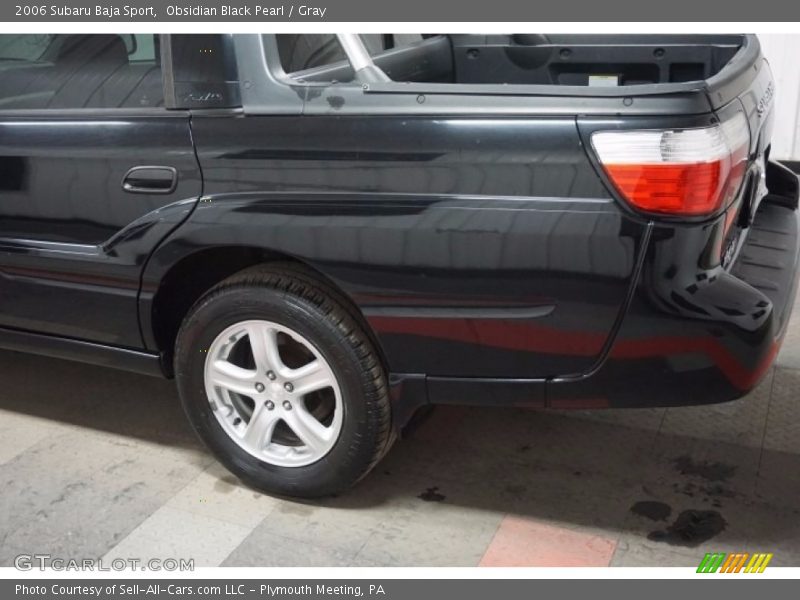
[(300, 52), (80, 71), (23, 47), (144, 48)]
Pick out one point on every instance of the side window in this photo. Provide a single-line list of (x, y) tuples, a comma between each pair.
[(23, 47), (301, 52), (80, 71), (142, 48)]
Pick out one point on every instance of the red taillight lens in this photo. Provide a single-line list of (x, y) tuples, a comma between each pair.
[(681, 172), (690, 189)]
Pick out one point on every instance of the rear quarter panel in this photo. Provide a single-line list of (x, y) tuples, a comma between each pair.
[(475, 247)]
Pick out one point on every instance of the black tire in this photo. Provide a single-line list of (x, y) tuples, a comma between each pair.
[(293, 297)]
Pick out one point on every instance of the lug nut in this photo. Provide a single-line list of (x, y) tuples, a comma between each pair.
[(259, 387), (270, 375), (269, 404), (287, 405), (288, 386)]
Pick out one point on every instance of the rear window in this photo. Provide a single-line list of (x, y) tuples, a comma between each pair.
[(301, 52), (307, 51)]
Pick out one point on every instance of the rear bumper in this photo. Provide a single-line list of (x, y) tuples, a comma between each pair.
[(695, 333)]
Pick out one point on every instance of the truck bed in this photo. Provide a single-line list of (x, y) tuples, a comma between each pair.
[(564, 65), (590, 60)]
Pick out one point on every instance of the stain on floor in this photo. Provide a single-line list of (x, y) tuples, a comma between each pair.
[(709, 470), (653, 510), (691, 528), (432, 495)]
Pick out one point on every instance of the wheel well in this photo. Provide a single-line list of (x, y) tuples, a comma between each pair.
[(189, 279)]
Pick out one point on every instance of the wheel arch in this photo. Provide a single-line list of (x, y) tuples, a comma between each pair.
[(166, 301)]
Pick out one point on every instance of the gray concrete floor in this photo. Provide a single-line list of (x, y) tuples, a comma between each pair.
[(95, 462)]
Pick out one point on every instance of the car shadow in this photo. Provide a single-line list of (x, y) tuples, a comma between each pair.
[(95, 398)]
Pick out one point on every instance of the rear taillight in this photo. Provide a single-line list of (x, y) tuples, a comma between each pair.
[(677, 172)]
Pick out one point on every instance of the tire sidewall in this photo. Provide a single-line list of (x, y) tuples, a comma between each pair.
[(358, 432)]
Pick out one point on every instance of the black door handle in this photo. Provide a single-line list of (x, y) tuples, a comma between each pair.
[(150, 180)]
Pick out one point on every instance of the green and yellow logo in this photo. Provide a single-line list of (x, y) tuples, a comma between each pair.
[(738, 562)]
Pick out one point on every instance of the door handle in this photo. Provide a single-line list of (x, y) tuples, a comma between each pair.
[(150, 180)]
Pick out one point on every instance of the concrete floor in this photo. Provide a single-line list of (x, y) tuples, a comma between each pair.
[(95, 462)]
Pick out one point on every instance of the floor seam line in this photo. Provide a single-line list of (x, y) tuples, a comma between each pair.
[(764, 430)]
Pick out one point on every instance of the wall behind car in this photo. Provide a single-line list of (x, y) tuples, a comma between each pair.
[(782, 52)]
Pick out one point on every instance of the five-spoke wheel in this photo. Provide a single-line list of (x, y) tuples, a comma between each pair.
[(273, 393)]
